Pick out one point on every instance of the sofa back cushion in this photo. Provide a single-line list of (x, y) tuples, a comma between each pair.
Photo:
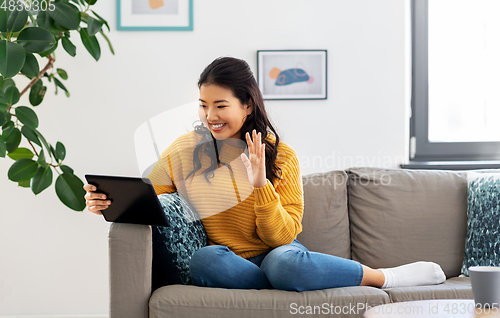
[(400, 216), (325, 224)]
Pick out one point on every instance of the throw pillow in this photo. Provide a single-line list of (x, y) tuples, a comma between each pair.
[(173, 246), (482, 243)]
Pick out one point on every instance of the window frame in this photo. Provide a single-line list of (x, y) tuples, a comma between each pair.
[(421, 149)]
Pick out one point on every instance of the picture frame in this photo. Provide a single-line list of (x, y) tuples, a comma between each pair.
[(154, 15), (292, 74)]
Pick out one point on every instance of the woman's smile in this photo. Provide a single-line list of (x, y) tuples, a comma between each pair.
[(217, 127)]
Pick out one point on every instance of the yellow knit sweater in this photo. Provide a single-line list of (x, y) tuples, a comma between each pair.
[(248, 220)]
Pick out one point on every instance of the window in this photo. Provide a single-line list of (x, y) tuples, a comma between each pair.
[(455, 84)]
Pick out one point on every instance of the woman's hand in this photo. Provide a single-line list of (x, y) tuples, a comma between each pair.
[(95, 201), (256, 162)]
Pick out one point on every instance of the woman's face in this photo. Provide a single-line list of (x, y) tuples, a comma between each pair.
[(221, 112)]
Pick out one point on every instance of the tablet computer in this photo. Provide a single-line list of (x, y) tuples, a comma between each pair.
[(133, 200)]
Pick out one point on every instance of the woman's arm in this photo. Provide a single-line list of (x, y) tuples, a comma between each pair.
[(161, 174), (279, 208)]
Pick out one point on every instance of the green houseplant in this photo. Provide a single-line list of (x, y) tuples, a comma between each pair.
[(31, 31)]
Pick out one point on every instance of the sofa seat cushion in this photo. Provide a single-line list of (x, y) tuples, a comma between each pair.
[(325, 224), (453, 288), (401, 216), (192, 302)]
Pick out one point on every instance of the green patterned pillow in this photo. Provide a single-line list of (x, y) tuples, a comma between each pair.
[(482, 243), (173, 246)]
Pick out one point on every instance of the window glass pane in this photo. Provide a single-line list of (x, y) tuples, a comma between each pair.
[(464, 70)]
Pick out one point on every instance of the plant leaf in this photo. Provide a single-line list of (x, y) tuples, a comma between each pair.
[(12, 95), (60, 151), (49, 51), (7, 116), (67, 169), (3, 113), (4, 17), (36, 40), (12, 58), (62, 73), (109, 42), (44, 20), (4, 83), (94, 26), (58, 83), (3, 149), (37, 93), (17, 20), (102, 20), (9, 133), (47, 145), (24, 184), (91, 2), (69, 46), (22, 169), (91, 44), (42, 179), (27, 116), (31, 67), (53, 151), (30, 135), (8, 125), (41, 159), (66, 15), (69, 189), (12, 146), (20, 153)]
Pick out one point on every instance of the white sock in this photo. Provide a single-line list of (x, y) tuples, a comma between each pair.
[(413, 274)]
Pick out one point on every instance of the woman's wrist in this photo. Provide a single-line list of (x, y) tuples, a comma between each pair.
[(260, 185)]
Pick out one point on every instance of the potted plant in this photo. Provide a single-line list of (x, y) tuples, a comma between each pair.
[(31, 31)]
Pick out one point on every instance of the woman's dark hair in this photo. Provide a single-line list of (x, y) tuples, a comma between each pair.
[(235, 74)]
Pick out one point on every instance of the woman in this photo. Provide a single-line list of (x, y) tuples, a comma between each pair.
[(250, 200)]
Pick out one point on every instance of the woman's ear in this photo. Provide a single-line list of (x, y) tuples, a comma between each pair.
[(249, 107)]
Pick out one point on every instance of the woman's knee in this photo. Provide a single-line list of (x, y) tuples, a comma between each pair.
[(207, 255), (281, 266)]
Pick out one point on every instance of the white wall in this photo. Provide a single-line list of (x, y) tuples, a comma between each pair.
[(54, 261)]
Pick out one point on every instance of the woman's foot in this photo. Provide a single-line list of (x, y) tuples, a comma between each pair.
[(413, 274)]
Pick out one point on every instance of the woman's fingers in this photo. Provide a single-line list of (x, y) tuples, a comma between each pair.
[(259, 146), (249, 143), (95, 201), (98, 203), (93, 195), (95, 206), (254, 143), (89, 187), (263, 153), (96, 209)]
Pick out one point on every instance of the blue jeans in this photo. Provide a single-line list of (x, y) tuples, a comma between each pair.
[(289, 267)]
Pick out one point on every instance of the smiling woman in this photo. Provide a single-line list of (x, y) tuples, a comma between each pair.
[(224, 117), (245, 185)]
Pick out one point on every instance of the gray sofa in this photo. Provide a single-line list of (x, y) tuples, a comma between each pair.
[(379, 217)]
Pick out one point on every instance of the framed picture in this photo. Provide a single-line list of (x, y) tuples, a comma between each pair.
[(292, 74), (145, 15)]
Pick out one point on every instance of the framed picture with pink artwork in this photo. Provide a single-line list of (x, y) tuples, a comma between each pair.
[(292, 74), (154, 15)]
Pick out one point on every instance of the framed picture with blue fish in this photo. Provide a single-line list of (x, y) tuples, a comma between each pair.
[(154, 15), (292, 74)]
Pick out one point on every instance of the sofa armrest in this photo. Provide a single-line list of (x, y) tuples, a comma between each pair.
[(130, 260)]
